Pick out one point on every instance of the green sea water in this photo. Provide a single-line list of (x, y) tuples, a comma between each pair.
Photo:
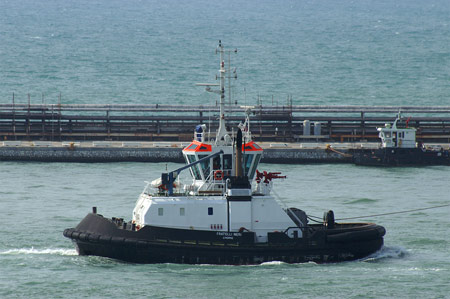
[(39, 200), (320, 52)]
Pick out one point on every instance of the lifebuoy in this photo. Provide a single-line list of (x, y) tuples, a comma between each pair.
[(218, 175), (164, 187)]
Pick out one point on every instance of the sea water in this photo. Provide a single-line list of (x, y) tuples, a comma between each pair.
[(136, 52), (40, 200), (317, 51)]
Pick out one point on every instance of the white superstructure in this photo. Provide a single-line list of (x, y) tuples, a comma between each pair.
[(215, 200), (393, 137)]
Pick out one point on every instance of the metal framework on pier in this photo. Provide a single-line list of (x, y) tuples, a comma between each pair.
[(122, 122)]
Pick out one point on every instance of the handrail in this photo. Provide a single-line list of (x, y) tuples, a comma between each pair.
[(210, 183), (230, 109), (169, 178)]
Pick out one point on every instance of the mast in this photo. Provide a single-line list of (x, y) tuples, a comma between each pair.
[(399, 117), (222, 136), (222, 131)]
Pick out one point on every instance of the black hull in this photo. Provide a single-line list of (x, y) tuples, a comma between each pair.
[(99, 236), (401, 157)]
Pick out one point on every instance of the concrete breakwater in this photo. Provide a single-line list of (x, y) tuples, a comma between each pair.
[(167, 152), (89, 154)]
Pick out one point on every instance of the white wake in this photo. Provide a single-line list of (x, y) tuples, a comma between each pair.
[(32, 250)]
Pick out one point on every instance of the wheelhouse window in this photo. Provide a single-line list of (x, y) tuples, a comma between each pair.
[(192, 147), (205, 166), (182, 212), (227, 165), (194, 169), (210, 211), (160, 211), (255, 165), (248, 159), (217, 164)]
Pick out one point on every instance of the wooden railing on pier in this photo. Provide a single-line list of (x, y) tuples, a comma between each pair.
[(177, 122)]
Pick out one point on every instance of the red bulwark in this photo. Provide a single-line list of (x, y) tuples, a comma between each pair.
[(252, 147), (196, 146)]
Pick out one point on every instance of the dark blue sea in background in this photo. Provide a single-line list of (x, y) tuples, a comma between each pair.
[(136, 52), (320, 52)]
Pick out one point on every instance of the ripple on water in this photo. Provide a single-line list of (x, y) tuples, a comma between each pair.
[(427, 241), (361, 201), (387, 252)]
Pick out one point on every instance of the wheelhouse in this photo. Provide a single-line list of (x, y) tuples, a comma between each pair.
[(222, 167), (393, 137)]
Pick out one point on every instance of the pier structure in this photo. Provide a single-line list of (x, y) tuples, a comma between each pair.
[(155, 133), (288, 123)]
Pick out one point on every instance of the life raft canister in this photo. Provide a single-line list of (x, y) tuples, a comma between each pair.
[(218, 175)]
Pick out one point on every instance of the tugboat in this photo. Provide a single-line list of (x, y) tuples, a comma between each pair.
[(226, 215), (399, 148)]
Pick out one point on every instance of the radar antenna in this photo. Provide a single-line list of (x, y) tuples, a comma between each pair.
[(221, 137)]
